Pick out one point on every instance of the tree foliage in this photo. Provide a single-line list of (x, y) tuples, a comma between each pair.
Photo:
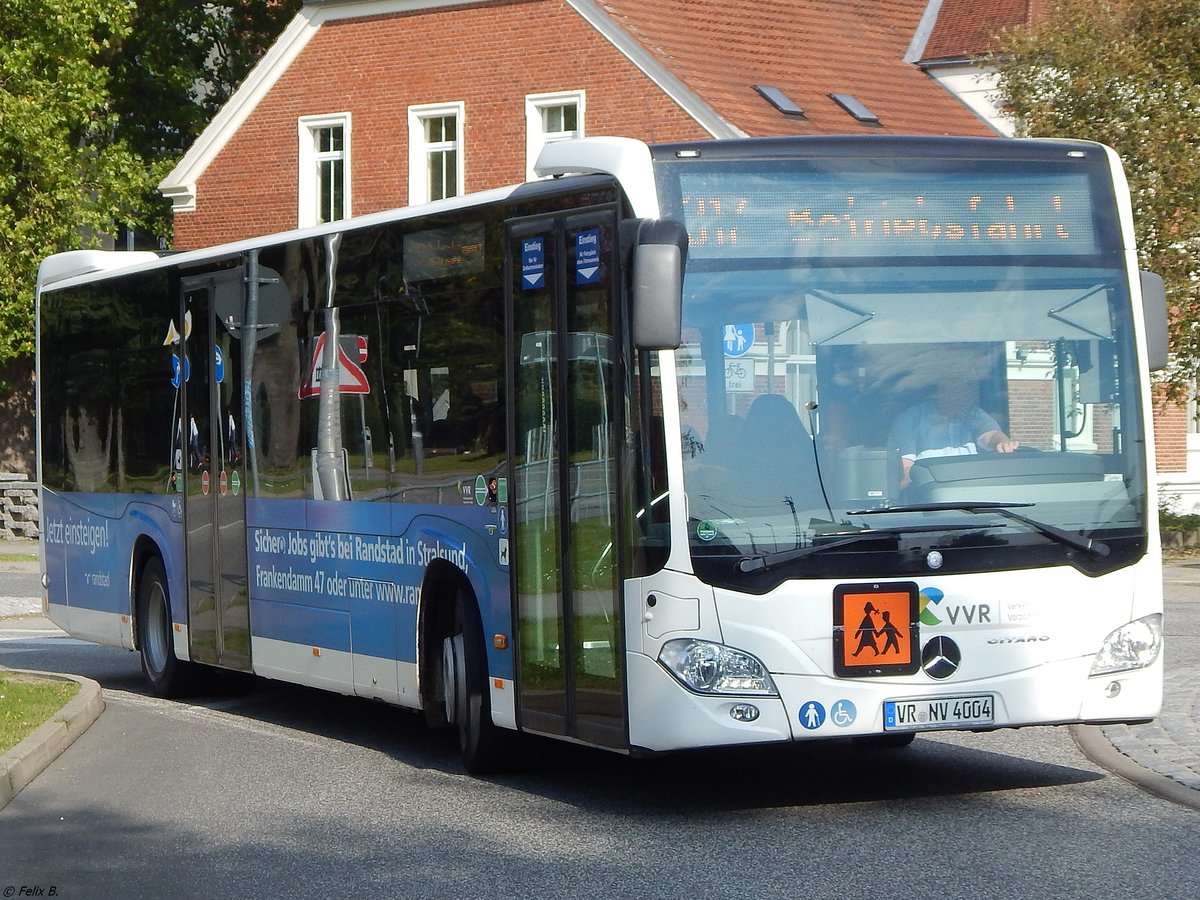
[(176, 68), (98, 100), (1127, 73), (63, 173)]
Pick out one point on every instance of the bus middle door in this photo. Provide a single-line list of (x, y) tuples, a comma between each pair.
[(566, 420), (214, 447)]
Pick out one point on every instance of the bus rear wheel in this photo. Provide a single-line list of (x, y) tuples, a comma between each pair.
[(166, 674), (483, 746)]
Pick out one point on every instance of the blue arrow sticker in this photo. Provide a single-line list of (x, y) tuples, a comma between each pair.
[(187, 370), (587, 257), (533, 263)]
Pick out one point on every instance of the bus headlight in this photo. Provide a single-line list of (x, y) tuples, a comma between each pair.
[(709, 668), (1132, 646)]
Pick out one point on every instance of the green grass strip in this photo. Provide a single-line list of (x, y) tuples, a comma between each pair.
[(26, 702)]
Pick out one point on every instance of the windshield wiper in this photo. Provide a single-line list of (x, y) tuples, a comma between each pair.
[(1069, 538), (764, 561)]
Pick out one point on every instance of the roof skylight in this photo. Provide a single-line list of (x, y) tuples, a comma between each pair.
[(852, 105), (780, 100)]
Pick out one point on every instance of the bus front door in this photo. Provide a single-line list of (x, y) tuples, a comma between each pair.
[(566, 421), (215, 504)]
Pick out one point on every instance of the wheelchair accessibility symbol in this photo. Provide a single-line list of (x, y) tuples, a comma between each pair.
[(843, 714)]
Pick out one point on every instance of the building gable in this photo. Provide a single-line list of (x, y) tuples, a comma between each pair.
[(656, 70), (180, 184)]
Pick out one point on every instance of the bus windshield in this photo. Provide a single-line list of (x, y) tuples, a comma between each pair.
[(883, 360)]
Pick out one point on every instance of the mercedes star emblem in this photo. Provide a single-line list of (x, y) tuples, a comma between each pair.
[(941, 657)]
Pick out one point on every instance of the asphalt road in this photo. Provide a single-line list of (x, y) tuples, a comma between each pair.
[(289, 792), (20, 590)]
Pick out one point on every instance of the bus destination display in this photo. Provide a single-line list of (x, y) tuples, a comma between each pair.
[(784, 214)]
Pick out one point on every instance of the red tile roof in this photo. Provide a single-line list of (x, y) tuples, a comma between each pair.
[(808, 49), (968, 28)]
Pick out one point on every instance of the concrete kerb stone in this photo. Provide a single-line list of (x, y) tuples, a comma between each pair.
[(1100, 750), (28, 759)]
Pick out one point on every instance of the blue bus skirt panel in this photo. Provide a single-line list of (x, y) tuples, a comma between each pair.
[(88, 541), (346, 576)]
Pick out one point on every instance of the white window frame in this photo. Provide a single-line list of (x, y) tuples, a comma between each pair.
[(536, 136), (419, 149), (308, 186)]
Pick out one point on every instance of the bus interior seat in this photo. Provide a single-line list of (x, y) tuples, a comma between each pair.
[(777, 459), (710, 469), (723, 439)]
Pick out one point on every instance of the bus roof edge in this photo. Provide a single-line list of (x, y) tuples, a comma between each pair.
[(626, 159), (74, 263)]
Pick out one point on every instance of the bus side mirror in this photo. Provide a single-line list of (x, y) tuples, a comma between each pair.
[(657, 284), (1154, 312)]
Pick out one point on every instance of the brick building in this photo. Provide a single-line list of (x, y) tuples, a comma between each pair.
[(364, 105), (383, 97)]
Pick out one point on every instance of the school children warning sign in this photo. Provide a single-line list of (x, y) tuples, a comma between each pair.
[(351, 377), (875, 629)]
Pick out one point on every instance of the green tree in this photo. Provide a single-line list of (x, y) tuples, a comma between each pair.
[(1127, 73), (63, 171), (175, 69), (98, 100)]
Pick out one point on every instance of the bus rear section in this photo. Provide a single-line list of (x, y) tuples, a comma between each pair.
[(397, 457)]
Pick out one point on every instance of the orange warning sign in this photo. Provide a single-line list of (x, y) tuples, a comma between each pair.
[(875, 629)]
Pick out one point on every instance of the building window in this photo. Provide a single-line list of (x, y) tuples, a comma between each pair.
[(324, 185), (435, 141), (549, 118)]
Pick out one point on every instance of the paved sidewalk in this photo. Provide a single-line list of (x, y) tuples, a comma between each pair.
[(1169, 747), (20, 557), (28, 759), (24, 762)]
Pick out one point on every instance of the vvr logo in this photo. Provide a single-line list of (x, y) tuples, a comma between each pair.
[(959, 614)]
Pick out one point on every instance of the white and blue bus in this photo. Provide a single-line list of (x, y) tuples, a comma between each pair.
[(627, 456)]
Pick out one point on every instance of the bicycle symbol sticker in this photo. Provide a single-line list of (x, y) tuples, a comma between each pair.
[(739, 376)]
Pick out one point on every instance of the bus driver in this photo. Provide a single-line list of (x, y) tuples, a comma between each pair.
[(951, 423)]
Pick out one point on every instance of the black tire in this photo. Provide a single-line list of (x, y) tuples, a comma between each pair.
[(167, 675), (484, 747)]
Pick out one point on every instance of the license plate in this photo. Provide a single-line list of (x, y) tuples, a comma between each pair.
[(939, 712)]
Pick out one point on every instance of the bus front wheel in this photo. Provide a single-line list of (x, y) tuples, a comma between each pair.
[(165, 673), (483, 746)]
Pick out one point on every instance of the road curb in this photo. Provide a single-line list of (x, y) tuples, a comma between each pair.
[(1095, 746), (28, 759)]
